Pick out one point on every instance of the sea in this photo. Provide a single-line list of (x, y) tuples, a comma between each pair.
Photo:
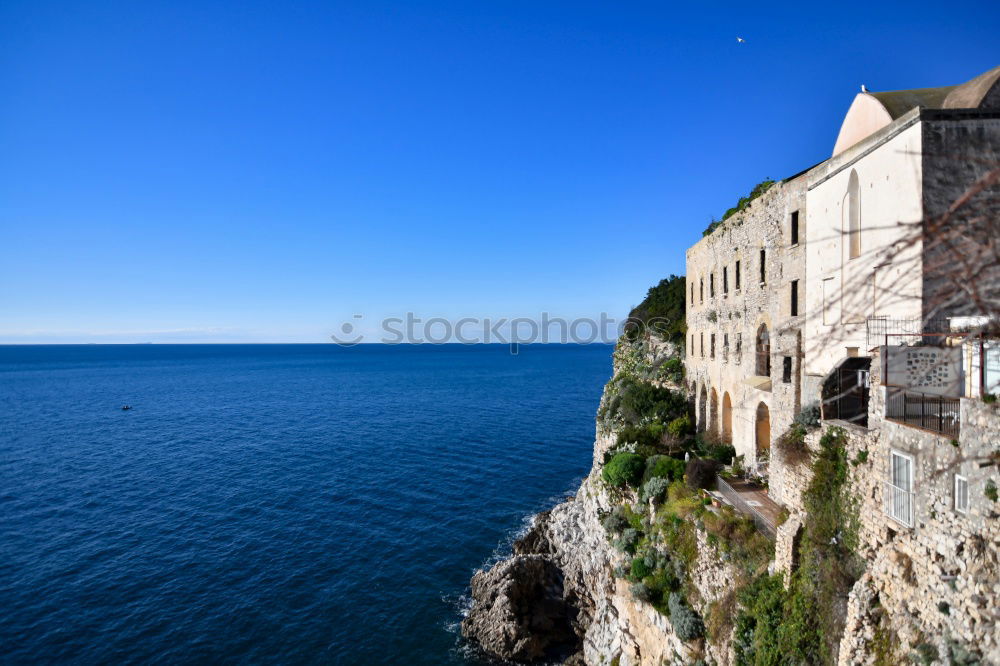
[(311, 504)]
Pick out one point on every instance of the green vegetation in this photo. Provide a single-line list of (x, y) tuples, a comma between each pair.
[(687, 623), (663, 467), (740, 206), (758, 623), (812, 608), (792, 442), (624, 469), (990, 490), (700, 473), (662, 311)]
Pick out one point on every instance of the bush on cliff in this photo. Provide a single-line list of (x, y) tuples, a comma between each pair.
[(642, 401), (654, 489), (616, 521), (680, 427), (662, 311), (627, 542), (686, 622), (663, 467), (647, 435), (624, 469), (700, 473), (762, 611)]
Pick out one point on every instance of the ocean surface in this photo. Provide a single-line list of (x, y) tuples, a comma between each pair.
[(273, 503)]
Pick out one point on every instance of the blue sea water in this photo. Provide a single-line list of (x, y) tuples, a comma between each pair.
[(272, 503)]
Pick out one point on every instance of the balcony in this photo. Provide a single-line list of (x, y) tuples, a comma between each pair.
[(937, 413)]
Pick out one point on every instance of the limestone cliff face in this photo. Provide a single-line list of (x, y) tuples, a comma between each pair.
[(609, 623)]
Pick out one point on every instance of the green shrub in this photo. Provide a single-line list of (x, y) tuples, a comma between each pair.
[(643, 436), (673, 370), (680, 427), (989, 398), (808, 417), (654, 489), (638, 401), (792, 445), (762, 604), (990, 490), (641, 591), (662, 311), (628, 540), (663, 467), (686, 622), (700, 473), (615, 521), (624, 469), (639, 568), (723, 453)]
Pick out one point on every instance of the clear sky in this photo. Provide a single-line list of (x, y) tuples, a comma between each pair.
[(262, 171)]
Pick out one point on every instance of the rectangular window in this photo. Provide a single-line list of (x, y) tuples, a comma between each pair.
[(701, 339), (737, 276), (899, 489), (786, 369), (725, 279), (795, 298), (961, 494), (795, 228), (692, 345), (763, 266), (712, 345), (711, 285), (739, 346), (701, 290), (725, 346), (692, 293)]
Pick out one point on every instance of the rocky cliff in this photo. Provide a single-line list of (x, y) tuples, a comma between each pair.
[(557, 597)]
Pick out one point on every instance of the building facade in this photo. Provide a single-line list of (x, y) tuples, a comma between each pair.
[(785, 296)]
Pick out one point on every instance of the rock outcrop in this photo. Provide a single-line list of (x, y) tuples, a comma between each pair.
[(520, 612)]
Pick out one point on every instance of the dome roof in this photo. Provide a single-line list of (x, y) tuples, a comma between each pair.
[(871, 111)]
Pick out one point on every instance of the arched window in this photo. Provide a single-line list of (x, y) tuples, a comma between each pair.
[(853, 216), (763, 352)]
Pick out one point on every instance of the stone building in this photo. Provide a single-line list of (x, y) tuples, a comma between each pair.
[(784, 296), (746, 301), (829, 289)]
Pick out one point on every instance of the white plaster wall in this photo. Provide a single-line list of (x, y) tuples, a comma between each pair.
[(890, 193)]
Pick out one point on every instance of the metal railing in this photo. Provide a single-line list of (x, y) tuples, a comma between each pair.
[(899, 504), (765, 526), (906, 331), (937, 413)]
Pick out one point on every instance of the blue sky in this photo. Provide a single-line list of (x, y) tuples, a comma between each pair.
[(262, 171)]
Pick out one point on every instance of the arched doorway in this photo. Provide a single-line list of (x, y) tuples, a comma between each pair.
[(763, 432), (727, 418), (702, 408), (713, 412)]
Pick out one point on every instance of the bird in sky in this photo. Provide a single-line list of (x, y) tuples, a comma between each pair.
[(863, 88), (740, 40)]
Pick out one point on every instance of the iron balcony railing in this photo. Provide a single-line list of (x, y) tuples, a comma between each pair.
[(899, 504), (937, 413)]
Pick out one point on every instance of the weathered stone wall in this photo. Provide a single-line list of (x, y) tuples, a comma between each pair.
[(734, 316), (959, 148), (938, 580)]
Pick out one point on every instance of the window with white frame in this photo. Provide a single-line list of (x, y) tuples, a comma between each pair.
[(899, 488), (961, 493)]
